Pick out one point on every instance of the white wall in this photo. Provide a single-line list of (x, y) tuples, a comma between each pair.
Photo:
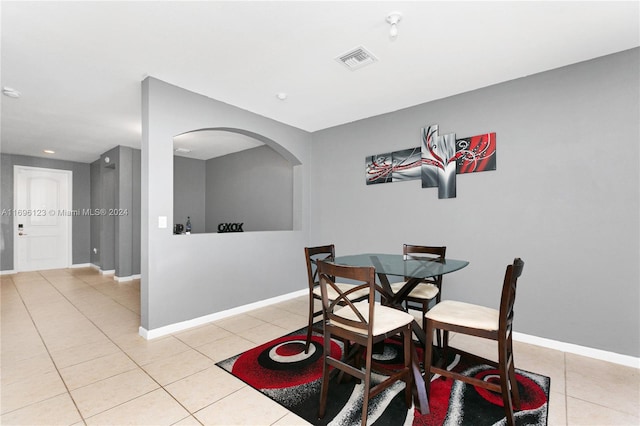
[(187, 277), (564, 197)]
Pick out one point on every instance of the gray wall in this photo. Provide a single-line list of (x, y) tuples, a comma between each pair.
[(564, 197), (189, 193), (124, 215), (136, 195), (115, 188), (95, 186), (186, 277), (81, 200), (96, 202), (253, 187), (108, 189)]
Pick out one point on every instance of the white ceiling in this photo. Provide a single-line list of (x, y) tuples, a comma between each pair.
[(206, 144), (78, 65)]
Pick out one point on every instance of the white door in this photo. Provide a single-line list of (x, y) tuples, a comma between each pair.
[(42, 218)]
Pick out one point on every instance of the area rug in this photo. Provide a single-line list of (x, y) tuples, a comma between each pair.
[(282, 371)]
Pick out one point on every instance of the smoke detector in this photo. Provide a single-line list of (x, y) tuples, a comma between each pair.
[(357, 58)]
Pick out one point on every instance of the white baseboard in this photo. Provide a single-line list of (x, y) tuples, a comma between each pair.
[(129, 278), (113, 272), (180, 326), (74, 266), (613, 357)]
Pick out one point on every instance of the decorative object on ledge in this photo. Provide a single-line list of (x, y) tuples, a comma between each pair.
[(230, 227), (436, 162)]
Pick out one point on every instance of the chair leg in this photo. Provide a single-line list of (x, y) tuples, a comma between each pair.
[(312, 316), (425, 309), (428, 355), (515, 393), (503, 368), (408, 364), (310, 327), (324, 390), (367, 384), (308, 343), (445, 346), (439, 332)]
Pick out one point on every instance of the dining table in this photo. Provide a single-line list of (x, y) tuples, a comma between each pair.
[(412, 270)]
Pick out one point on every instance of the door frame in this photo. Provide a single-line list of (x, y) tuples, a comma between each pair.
[(68, 174)]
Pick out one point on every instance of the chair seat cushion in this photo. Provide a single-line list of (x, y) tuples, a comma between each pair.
[(465, 314), (343, 287), (421, 291), (386, 318)]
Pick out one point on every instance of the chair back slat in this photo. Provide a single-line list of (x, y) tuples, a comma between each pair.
[(429, 252), (364, 277), (313, 255), (435, 253)]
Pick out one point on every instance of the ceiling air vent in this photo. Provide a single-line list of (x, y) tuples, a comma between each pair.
[(356, 58)]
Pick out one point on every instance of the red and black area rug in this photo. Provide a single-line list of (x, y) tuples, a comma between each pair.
[(282, 371)]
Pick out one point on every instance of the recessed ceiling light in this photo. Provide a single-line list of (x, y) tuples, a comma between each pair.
[(49, 151), (282, 96), (12, 93), (183, 150)]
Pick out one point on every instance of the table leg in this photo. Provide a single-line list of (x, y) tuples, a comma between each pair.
[(420, 392), (421, 400)]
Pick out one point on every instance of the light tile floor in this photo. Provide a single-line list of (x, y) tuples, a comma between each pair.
[(71, 355)]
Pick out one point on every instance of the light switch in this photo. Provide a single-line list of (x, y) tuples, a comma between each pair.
[(162, 222)]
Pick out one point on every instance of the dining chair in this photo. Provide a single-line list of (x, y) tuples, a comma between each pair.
[(361, 324), (313, 255), (429, 289), (481, 321)]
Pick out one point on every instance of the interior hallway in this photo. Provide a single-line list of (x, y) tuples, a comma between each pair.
[(71, 355)]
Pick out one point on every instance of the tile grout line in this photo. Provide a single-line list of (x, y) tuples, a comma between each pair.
[(160, 386), (97, 327), (121, 350), (33, 322), (566, 397), (140, 367)]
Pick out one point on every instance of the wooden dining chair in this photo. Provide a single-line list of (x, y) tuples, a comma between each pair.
[(362, 324), (313, 255), (429, 290), (481, 321)]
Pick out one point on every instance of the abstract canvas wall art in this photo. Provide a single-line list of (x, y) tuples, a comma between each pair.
[(478, 153), (406, 164), (436, 162), (379, 168)]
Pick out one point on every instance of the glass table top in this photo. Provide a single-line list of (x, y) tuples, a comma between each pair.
[(396, 264)]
